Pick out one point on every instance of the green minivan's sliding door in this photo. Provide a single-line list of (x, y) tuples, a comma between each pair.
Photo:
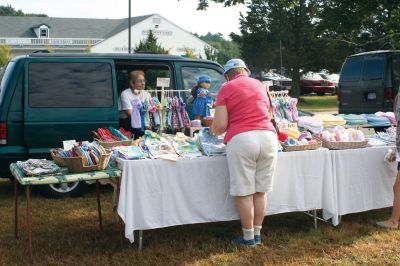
[(65, 99)]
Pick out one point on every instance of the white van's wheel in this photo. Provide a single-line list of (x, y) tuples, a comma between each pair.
[(73, 189)]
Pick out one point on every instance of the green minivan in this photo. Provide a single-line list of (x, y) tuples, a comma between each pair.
[(46, 98), (369, 81)]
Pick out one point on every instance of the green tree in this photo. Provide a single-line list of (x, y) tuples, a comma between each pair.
[(286, 28), (8, 10), (223, 49), (5, 54), (150, 45), (360, 26), (189, 53)]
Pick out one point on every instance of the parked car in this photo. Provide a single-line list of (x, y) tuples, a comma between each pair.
[(277, 82), (46, 98), (332, 77), (369, 82), (311, 82)]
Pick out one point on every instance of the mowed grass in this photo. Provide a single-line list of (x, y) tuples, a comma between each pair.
[(66, 232), (318, 103)]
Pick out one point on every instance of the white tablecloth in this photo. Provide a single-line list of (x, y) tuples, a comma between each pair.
[(157, 193), (363, 180)]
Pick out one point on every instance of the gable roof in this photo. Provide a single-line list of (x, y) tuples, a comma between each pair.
[(22, 27)]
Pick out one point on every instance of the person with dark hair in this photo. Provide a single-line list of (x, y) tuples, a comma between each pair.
[(242, 111)]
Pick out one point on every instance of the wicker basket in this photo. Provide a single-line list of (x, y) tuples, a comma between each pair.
[(313, 146), (109, 145), (75, 164), (344, 145), (58, 160)]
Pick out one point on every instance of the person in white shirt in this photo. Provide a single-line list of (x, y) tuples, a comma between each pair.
[(137, 84)]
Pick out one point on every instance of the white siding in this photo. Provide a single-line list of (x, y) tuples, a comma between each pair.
[(169, 36)]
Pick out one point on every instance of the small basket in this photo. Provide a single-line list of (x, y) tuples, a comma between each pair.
[(304, 147), (75, 164), (109, 145), (344, 145), (58, 160)]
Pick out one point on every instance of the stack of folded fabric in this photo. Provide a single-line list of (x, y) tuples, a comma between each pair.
[(209, 144), (388, 115), (352, 119), (312, 123), (37, 167), (378, 121), (130, 152), (330, 120), (159, 147), (185, 146)]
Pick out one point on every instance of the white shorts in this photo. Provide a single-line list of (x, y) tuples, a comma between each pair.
[(252, 157)]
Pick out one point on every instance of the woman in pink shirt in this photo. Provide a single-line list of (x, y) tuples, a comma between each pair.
[(242, 111)]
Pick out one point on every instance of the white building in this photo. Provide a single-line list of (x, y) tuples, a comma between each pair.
[(25, 35)]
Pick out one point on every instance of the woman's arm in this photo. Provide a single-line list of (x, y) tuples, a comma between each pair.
[(220, 120)]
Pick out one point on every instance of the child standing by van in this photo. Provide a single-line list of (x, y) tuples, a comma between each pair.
[(202, 97)]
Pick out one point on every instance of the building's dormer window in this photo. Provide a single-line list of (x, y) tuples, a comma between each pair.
[(44, 33)]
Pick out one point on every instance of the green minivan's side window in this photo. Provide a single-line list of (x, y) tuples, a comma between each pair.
[(190, 75), (70, 85)]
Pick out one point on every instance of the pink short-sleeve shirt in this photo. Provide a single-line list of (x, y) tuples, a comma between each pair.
[(247, 103)]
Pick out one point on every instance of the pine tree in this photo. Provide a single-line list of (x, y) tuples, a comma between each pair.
[(150, 45)]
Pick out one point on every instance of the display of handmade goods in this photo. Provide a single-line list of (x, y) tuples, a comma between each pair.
[(158, 147), (167, 113), (313, 124), (38, 167), (330, 120), (294, 140), (284, 109), (378, 119), (130, 152), (111, 137), (352, 119), (341, 138), (185, 146), (83, 157), (211, 145), (386, 137)]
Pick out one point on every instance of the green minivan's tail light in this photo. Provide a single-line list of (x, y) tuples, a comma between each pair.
[(388, 94), (3, 133)]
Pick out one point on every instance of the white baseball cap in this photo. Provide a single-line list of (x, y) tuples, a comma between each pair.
[(235, 63)]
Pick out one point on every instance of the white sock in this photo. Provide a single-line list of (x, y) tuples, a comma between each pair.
[(257, 230), (248, 234)]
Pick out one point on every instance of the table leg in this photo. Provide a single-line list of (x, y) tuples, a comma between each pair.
[(140, 246), (15, 208), (29, 221), (315, 219), (121, 231), (98, 204), (116, 197)]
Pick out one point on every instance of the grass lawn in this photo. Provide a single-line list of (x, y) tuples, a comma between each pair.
[(66, 232), (318, 103)]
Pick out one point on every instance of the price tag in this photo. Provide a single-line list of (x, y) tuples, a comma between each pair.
[(163, 82), (68, 144)]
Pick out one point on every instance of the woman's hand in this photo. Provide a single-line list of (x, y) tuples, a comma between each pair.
[(203, 94)]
